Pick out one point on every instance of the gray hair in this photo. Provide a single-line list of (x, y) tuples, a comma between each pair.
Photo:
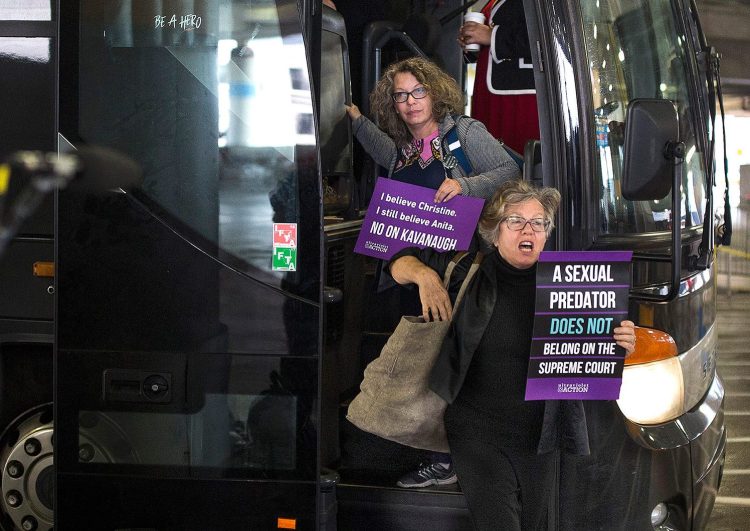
[(514, 192)]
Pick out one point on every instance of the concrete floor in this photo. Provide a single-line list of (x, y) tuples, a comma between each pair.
[(732, 509)]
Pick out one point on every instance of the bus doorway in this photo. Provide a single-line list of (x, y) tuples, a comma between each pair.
[(585, 87)]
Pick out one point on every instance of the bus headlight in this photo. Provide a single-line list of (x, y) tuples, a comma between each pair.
[(652, 393), (659, 514), (652, 389)]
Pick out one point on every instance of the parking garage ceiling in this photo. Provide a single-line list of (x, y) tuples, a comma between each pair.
[(726, 24)]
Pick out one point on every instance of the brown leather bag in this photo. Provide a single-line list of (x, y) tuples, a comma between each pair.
[(395, 401)]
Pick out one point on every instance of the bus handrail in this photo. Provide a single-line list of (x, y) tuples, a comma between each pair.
[(376, 36)]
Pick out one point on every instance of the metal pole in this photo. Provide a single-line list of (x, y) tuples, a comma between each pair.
[(747, 234)]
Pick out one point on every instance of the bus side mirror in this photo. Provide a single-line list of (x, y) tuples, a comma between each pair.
[(651, 131), (653, 167)]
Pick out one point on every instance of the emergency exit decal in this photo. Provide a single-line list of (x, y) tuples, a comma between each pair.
[(284, 247)]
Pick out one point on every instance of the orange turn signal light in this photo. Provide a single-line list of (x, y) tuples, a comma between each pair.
[(651, 345), (44, 269), (286, 523)]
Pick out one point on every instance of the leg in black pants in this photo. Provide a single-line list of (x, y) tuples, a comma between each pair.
[(504, 488)]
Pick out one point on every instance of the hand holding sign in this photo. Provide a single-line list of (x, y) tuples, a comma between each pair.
[(624, 335), (447, 191), (403, 215)]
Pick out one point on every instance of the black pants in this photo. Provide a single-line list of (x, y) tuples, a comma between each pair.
[(505, 489)]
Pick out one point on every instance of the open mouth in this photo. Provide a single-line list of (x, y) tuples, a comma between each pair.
[(526, 246)]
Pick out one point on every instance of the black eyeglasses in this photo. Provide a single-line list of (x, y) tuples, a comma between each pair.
[(517, 223), (418, 93)]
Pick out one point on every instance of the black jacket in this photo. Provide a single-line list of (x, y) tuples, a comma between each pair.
[(564, 425)]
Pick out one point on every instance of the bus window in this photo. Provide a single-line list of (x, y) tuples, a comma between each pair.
[(634, 50), (31, 10), (215, 104), (213, 100)]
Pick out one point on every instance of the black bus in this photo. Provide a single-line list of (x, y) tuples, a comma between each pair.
[(187, 370)]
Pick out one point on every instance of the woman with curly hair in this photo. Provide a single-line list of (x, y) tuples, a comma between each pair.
[(416, 105)]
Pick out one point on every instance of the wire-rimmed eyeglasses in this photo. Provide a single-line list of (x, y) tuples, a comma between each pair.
[(517, 223), (418, 93)]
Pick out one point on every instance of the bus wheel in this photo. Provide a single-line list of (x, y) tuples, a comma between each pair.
[(28, 473)]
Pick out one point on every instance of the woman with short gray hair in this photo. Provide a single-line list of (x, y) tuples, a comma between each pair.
[(504, 448), (494, 211)]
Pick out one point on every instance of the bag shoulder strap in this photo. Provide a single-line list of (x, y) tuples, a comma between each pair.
[(472, 271), (454, 146), (512, 153), (451, 265), (456, 149)]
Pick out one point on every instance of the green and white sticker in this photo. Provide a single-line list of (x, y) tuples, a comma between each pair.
[(284, 259), (284, 247)]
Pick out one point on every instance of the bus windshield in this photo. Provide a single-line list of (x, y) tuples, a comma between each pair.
[(635, 50)]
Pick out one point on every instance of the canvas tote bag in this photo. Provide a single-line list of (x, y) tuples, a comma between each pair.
[(395, 401)]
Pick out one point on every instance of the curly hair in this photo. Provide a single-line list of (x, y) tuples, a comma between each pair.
[(514, 192), (445, 93)]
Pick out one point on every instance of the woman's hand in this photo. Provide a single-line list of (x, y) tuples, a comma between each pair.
[(625, 336), (436, 304), (474, 33), (353, 111), (448, 190)]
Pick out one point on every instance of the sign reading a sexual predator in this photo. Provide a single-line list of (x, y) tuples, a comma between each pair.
[(580, 298), (404, 215)]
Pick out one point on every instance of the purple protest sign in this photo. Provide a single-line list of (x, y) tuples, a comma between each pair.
[(580, 298), (404, 215)]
